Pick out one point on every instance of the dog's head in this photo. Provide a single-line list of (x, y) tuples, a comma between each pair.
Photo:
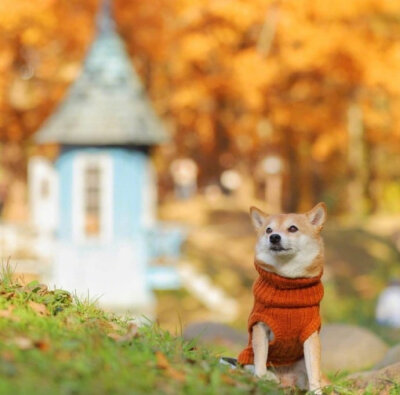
[(290, 244)]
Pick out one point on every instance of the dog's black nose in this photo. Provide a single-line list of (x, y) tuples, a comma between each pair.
[(275, 238)]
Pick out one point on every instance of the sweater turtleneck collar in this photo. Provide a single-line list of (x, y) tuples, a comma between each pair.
[(273, 290), (280, 282)]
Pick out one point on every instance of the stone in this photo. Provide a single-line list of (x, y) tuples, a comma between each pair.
[(349, 348), (391, 357), (383, 381), (214, 332)]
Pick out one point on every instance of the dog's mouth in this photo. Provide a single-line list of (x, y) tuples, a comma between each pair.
[(277, 248)]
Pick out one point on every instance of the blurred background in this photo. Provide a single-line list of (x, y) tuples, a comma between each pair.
[(278, 104)]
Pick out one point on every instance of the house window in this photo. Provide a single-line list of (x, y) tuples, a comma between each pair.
[(92, 192), (92, 202), (44, 189)]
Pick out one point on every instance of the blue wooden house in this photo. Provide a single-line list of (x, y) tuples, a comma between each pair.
[(98, 199)]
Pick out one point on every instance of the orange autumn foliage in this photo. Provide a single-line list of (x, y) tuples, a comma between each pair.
[(249, 78), (232, 79), (42, 44)]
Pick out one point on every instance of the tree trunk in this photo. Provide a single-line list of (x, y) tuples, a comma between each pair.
[(358, 163)]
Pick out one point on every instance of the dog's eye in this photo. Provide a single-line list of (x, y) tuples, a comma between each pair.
[(269, 230), (293, 229)]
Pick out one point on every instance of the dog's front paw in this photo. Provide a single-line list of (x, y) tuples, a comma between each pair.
[(316, 390), (267, 375), (260, 371)]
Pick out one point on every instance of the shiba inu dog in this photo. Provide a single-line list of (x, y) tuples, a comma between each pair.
[(284, 323)]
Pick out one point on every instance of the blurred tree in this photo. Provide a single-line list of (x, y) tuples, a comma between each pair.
[(238, 79), (315, 82), (42, 44)]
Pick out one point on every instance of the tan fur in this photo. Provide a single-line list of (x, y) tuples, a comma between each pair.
[(308, 237), (302, 256)]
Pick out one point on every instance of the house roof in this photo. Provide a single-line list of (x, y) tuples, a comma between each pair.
[(107, 104)]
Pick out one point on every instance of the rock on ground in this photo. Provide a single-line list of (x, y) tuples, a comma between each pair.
[(391, 357), (350, 348), (214, 332), (383, 381)]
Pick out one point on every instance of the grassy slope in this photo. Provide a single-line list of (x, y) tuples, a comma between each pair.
[(52, 343)]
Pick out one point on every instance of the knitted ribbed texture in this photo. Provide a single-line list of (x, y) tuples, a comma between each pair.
[(290, 307)]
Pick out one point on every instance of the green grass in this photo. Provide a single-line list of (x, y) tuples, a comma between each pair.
[(52, 343)]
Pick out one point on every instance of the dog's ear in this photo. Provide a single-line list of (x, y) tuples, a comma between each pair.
[(258, 217), (317, 215)]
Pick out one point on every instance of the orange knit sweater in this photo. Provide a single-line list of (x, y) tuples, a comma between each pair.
[(290, 307)]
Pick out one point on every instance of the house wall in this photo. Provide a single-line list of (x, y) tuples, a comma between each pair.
[(132, 189), (114, 269)]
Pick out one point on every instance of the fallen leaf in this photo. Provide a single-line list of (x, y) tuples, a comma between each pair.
[(9, 295), (162, 363), (114, 336), (36, 287), (42, 345), (115, 326), (38, 308), (176, 374), (131, 333), (228, 380), (23, 343), (43, 289), (190, 360), (8, 313)]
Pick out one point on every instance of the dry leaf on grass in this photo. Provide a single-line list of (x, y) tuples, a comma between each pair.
[(191, 361), (162, 363), (131, 333), (176, 374), (228, 380), (23, 343), (8, 313), (114, 336), (38, 308), (114, 326), (42, 289), (8, 295), (42, 345)]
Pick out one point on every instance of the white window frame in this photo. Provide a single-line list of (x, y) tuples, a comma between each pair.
[(81, 162), (44, 210)]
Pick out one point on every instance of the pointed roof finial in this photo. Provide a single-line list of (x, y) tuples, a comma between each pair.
[(105, 21)]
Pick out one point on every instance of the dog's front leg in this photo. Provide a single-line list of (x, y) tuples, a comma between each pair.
[(260, 338), (260, 349), (312, 357)]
